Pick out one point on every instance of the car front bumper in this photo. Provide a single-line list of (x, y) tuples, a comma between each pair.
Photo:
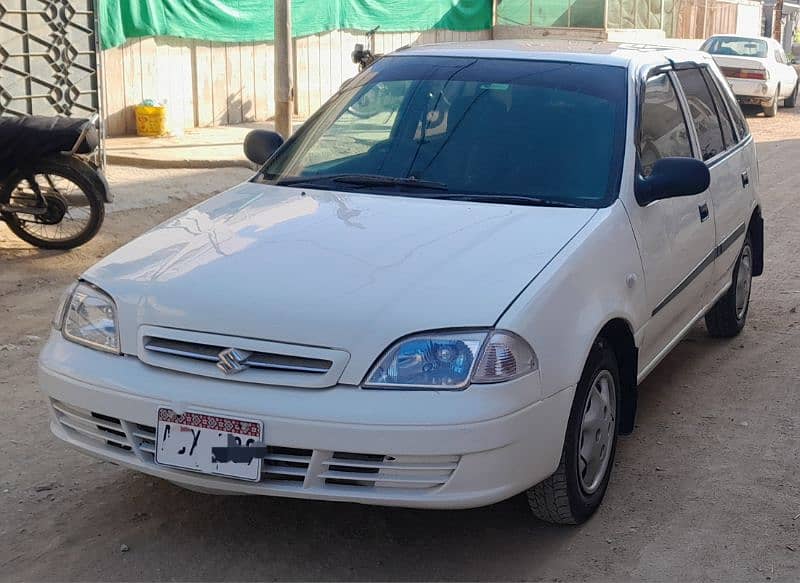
[(106, 406)]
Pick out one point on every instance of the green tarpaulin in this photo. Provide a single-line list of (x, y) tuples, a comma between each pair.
[(545, 13), (252, 20)]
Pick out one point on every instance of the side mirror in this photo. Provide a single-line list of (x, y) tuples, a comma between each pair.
[(260, 145), (673, 177)]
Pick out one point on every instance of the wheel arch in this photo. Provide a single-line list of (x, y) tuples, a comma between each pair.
[(619, 334), (756, 231)]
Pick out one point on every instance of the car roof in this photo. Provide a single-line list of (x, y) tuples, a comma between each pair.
[(578, 51)]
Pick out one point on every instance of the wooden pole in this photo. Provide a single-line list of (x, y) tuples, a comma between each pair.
[(284, 90), (777, 27)]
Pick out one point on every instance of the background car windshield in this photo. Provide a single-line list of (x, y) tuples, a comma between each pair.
[(540, 129), (736, 47)]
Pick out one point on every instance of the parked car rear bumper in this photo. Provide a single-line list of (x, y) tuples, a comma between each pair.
[(754, 92)]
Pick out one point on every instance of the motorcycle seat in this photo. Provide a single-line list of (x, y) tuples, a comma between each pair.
[(24, 139)]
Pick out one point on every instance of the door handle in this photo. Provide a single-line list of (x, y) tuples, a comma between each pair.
[(703, 208), (745, 179)]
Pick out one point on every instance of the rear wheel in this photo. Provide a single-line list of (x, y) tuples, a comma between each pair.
[(576, 489), (71, 213), (771, 110), (728, 316), (791, 101)]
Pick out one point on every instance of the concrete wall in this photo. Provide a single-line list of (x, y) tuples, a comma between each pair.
[(207, 84)]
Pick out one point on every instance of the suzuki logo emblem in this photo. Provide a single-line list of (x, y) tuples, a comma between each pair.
[(233, 360)]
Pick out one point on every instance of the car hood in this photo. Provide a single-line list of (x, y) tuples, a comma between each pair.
[(339, 270)]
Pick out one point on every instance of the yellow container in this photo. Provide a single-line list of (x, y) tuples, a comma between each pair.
[(151, 120)]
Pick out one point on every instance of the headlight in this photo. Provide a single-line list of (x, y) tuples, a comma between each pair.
[(66, 296), (91, 319), (445, 361)]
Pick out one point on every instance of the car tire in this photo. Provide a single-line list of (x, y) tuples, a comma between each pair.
[(772, 109), (728, 316), (576, 489), (791, 101)]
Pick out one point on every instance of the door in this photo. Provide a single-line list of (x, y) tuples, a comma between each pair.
[(786, 72), (734, 175), (675, 236)]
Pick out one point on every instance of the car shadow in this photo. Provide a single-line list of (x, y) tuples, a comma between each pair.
[(254, 537)]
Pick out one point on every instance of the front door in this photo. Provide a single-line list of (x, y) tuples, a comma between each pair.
[(675, 236)]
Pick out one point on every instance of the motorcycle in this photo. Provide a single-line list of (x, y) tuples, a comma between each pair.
[(370, 103), (52, 189)]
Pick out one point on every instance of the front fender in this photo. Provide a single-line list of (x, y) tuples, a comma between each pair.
[(596, 278)]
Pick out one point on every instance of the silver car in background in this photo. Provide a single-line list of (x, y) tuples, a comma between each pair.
[(757, 69)]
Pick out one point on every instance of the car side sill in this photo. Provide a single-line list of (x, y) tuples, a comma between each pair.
[(672, 343)]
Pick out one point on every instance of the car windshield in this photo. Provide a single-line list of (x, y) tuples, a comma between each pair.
[(522, 131), (736, 46)]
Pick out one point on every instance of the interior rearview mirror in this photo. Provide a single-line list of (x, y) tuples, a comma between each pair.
[(260, 145), (673, 177)]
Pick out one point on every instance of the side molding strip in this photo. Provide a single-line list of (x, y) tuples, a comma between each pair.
[(707, 260)]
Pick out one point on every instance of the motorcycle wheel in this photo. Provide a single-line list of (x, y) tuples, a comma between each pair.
[(75, 207)]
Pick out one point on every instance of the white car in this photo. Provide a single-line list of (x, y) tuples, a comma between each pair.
[(757, 70), (441, 304)]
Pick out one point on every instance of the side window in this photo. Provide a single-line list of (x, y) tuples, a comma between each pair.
[(779, 57), (701, 107), (662, 127), (722, 111)]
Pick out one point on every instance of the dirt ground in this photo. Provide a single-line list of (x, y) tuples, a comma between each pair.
[(706, 488)]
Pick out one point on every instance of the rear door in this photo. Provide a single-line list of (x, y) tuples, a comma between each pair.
[(786, 73), (722, 152), (732, 206)]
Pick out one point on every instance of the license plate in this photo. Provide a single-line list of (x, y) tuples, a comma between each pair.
[(185, 441)]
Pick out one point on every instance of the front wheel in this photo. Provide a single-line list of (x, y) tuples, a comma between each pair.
[(728, 316), (69, 211), (576, 489)]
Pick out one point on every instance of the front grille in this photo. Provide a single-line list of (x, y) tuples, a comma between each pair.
[(244, 359), (386, 471), (284, 467), (208, 353), (286, 464), (92, 426)]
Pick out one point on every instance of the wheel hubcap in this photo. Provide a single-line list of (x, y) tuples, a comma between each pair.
[(743, 280), (597, 431)]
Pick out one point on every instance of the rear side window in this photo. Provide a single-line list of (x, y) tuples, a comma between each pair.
[(704, 115), (722, 111), (662, 127), (736, 112)]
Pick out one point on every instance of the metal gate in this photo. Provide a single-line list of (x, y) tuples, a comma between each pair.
[(49, 58)]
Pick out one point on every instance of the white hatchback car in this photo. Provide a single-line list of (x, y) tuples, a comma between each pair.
[(441, 292), (757, 70)]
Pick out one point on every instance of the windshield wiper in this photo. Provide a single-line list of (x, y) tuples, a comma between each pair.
[(363, 180), (510, 199)]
